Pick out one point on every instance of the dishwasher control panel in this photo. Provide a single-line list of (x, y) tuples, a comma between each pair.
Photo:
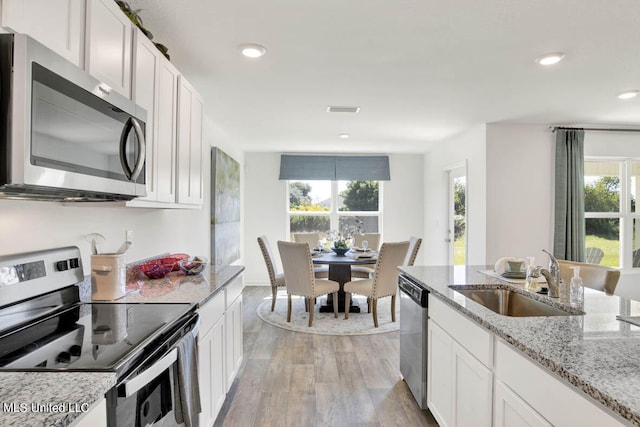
[(416, 292)]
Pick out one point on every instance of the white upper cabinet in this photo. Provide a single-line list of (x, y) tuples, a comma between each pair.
[(167, 132), (57, 24), (145, 94), (108, 45), (190, 110)]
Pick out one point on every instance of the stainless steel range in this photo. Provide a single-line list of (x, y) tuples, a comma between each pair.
[(45, 327)]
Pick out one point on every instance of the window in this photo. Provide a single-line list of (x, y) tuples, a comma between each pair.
[(344, 207), (612, 222)]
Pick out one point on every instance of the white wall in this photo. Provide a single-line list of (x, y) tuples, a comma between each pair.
[(265, 204), (520, 170), (32, 225), (469, 147)]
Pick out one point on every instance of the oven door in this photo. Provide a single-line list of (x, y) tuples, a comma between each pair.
[(150, 398), (150, 394)]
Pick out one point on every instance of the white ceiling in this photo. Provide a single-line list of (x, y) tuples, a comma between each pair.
[(421, 70)]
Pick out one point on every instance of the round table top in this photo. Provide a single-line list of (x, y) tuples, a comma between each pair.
[(332, 258)]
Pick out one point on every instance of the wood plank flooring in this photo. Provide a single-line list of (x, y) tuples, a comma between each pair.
[(298, 379)]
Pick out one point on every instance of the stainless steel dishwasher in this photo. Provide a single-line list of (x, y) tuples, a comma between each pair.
[(413, 337)]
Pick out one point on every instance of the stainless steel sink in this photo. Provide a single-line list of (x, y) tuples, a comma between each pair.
[(509, 303)]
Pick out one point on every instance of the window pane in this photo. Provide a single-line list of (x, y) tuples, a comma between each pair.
[(636, 243), (601, 186), (310, 224), (350, 225), (635, 182), (310, 196), (359, 196), (604, 233)]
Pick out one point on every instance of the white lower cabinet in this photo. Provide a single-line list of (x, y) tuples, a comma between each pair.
[(541, 393), (509, 410), (219, 348), (233, 322), (477, 379), (460, 387), (211, 354)]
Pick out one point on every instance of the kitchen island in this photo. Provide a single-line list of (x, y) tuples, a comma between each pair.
[(61, 398), (595, 355)]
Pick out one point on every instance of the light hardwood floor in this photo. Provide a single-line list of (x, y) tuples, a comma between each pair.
[(297, 379)]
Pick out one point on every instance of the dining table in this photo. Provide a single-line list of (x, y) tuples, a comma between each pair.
[(340, 271)]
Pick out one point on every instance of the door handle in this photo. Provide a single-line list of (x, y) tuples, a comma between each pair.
[(132, 175)]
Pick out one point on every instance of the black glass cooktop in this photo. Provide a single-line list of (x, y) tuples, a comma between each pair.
[(88, 337)]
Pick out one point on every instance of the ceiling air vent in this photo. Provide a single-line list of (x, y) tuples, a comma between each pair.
[(332, 109)]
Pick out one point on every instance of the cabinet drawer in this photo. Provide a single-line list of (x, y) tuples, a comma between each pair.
[(475, 339), (546, 394), (234, 290), (211, 312)]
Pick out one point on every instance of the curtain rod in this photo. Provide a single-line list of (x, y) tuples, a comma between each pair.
[(555, 128)]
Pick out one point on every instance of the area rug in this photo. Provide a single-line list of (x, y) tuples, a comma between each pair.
[(324, 323)]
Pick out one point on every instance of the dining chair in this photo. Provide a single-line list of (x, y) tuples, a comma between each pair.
[(384, 282), (276, 279), (593, 276), (300, 280), (320, 271), (373, 240), (412, 253)]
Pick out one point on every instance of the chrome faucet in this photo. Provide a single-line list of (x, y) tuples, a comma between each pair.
[(552, 276)]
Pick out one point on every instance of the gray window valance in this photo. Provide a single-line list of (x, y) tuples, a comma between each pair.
[(334, 168)]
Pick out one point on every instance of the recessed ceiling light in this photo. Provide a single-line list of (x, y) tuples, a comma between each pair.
[(629, 94), (344, 135), (252, 50), (551, 58)]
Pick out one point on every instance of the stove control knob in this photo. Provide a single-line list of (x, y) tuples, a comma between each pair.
[(62, 265), (64, 357), (75, 350)]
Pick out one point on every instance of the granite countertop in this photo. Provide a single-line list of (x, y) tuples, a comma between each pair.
[(176, 287), (594, 352), (58, 398)]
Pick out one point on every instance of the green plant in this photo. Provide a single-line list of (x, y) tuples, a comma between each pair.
[(134, 16), (340, 244)]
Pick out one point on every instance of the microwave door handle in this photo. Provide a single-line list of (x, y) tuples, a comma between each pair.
[(133, 385), (141, 149), (123, 149)]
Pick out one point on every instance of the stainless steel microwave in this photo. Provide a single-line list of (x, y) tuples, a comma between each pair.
[(63, 134)]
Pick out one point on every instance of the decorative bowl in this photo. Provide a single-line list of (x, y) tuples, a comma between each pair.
[(174, 258), (193, 265), (157, 268), (340, 251)]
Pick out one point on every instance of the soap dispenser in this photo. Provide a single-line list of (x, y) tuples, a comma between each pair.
[(576, 289)]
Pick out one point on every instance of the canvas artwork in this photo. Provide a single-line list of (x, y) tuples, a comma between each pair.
[(225, 208)]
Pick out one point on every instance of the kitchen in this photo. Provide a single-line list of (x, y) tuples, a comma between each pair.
[(505, 160)]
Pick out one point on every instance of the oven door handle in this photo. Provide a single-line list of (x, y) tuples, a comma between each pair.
[(136, 383)]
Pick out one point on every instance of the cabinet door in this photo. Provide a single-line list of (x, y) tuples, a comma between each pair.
[(108, 45), (473, 393), (511, 411), (145, 94), (190, 110), (166, 134), (440, 375), (233, 321), (57, 24), (211, 374)]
